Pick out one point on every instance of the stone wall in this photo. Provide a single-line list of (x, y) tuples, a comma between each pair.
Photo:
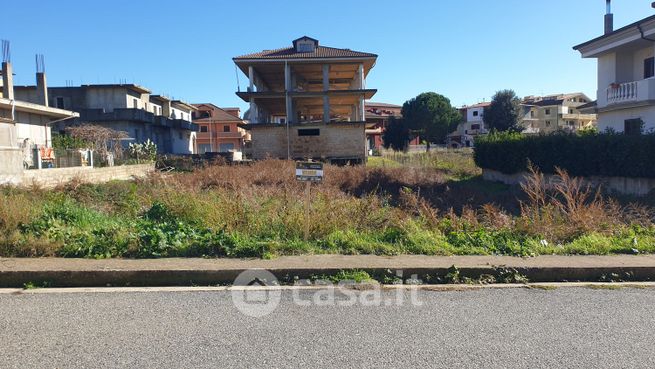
[(58, 176), (622, 185), (334, 141)]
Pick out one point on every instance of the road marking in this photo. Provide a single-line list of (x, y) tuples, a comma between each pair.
[(424, 287)]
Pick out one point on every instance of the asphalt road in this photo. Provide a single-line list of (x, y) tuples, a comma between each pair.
[(518, 328)]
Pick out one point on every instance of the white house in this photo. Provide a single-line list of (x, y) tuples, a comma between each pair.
[(471, 126), (626, 87)]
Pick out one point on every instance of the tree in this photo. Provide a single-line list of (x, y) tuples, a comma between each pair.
[(431, 116), (102, 140), (504, 112), (396, 135)]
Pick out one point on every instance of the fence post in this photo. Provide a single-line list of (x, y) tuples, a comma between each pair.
[(91, 158), (39, 165)]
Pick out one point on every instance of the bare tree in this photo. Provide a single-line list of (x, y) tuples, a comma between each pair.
[(102, 140)]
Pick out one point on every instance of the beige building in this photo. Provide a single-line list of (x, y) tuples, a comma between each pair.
[(307, 101), (548, 114), (129, 108), (25, 127)]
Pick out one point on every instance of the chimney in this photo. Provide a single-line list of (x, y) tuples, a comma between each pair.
[(7, 72), (41, 85), (609, 18)]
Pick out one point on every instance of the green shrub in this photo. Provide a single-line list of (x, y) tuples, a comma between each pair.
[(588, 154)]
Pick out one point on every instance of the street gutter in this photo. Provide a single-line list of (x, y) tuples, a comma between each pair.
[(58, 272)]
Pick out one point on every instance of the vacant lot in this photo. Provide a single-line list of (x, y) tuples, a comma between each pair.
[(418, 204)]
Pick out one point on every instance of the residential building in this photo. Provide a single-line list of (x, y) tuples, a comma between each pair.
[(471, 126), (378, 116), (220, 129), (25, 126), (548, 114), (626, 69), (538, 115), (126, 107), (307, 101)]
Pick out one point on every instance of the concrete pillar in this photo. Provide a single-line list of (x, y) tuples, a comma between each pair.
[(41, 89), (254, 112), (326, 109), (326, 77), (251, 78), (360, 76), (326, 88), (7, 81), (287, 90)]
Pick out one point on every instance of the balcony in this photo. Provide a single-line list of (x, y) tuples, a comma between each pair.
[(219, 135), (630, 92)]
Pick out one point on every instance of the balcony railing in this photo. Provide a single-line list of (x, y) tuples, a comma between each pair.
[(221, 134), (622, 92), (627, 92)]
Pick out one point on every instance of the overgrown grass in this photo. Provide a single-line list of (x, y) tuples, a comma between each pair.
[(258, 211), (455, 164)]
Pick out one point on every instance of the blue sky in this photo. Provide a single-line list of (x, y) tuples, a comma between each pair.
[(463, 49)]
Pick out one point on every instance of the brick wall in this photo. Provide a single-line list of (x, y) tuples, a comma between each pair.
[(57, 176), (335, 141)]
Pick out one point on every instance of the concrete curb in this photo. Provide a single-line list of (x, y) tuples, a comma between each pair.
[(207, 272)]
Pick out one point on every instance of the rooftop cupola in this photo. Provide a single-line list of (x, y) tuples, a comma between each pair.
[(305, 44)]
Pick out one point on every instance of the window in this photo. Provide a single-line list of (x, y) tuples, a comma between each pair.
[(649, 68), (135, 103), (204, 128), (226, 128), (547, 112), (531, 113), (306, 47), (202, 114), (309, 132), (204, 148), (547, 123), (476, 113), (226, 147), (633, 127), (60, 102)]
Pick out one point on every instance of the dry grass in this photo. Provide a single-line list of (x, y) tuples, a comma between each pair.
[(566, 209), (419, 210)]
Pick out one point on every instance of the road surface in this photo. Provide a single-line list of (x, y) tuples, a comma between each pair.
[(490, 328)]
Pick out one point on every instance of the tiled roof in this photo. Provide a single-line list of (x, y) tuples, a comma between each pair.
[(547, 102), (386, 105), (218, 114), (319, 52), (636, 24), (479, 105)]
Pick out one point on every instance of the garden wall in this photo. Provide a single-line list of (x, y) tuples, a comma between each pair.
[(622, 185), (56, 176)]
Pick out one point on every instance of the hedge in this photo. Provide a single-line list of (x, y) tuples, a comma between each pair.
[(589, 154)]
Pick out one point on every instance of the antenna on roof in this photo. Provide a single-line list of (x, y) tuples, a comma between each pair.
[(40, 63), (6, 52)]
